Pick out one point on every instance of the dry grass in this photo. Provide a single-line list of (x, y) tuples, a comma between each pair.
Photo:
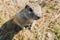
[(46, 28)]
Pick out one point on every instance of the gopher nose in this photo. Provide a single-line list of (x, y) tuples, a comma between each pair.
[(37, 18)]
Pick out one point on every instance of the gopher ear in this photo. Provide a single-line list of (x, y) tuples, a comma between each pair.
[(26, 6)]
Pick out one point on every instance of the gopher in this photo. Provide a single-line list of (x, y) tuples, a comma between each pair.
[(26, 16)]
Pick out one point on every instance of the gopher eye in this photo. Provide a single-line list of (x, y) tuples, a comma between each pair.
[(30, 10)]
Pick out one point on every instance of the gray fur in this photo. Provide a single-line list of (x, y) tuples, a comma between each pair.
[(26, 16)]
